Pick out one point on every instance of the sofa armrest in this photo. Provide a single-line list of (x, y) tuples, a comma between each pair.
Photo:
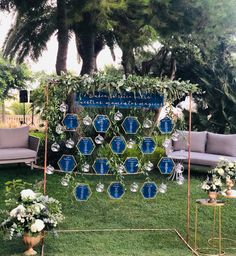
[(34, 143)]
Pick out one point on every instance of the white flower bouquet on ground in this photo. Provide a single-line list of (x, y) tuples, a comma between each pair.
[(33, 214)]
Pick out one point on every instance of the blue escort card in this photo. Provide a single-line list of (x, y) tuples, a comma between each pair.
[(118, 145), (131, 125), (147, 145), (71, 122), (149, 190), (131, 165), (166, 125), (67, 163), (101, 166), (82, 192), (166, 165), (85, 145), (116, 190), (120, 100), (101, 123)]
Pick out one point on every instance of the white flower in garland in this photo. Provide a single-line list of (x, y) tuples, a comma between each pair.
[(27, 195), (19, 210), (37, 226)]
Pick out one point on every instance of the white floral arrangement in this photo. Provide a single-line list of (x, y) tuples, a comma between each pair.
[(225, 169), (212, 184), (33, 214)]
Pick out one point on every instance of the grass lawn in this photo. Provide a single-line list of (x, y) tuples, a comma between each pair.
[(132, 211)]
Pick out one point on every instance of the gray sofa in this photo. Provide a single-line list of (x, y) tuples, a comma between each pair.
[(16, 146), (206, 147)]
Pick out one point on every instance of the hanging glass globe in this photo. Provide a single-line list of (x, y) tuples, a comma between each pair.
[(99, 139), (85, 167), (120, 169), (130, 143), (59, 129), (70, 143), (63, 107), (134, 187), (179, 168), (118, 116), (55, 147), (100, 187), (128, 89), (175, 136), (148, 166), (166, 143), (64, 182), (163, 188), (50, 169), (87, 120), (180, 180), (147, 123)]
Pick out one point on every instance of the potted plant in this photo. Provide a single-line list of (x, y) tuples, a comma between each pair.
[(212, 185), (226, 170), (33, 214)]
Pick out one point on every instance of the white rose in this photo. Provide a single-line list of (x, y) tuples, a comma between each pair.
[(231, 165), (19, 210), (221, 171), (37, 226), (27, 194)]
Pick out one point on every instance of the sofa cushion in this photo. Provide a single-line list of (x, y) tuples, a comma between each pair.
[(198, 141), (16, 153), (222, 144), (14, 137)]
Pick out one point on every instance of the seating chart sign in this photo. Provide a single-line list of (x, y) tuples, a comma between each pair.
[(131, 125), (118, 145), (67, 163), (120, 100), (82, 192), (149, 190), (71, 122), (166, 165), (101, 123), (116, 190), (101, 166), (147, 145), (85, 146), (166, 125), (131, 165)]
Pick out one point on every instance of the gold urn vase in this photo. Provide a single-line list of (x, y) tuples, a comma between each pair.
[(212, 196), (30, 242)]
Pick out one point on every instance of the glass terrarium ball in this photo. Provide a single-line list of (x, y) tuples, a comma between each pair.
[(87, 120), (50, 169), (166, 143), (147, 123), (175, 136), (134, 187), (85, 167), (99, 139), (59, 129), (130, 143), (120, 169), (149, 166), (180, 180), (64, 182), (100, 187), (163, 188), (55, 147), (118, 116), (63, 107), (70, 143)]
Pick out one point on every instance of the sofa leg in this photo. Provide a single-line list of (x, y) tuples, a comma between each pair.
[(32, 165)]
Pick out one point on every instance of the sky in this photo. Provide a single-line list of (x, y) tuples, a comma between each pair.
[(48, 59)]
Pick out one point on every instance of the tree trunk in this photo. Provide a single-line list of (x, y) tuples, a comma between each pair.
[(62, 37), (128, 60)]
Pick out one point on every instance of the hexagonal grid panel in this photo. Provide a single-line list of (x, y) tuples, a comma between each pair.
[(82, 192), (101, 166), (67, 163), (116, 190), (118, 145), (166, 125), (101, 123), (166, 165), (147, 145), (131, 165), (131, 125), (70, 122), (85, 146), (149, 190)]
